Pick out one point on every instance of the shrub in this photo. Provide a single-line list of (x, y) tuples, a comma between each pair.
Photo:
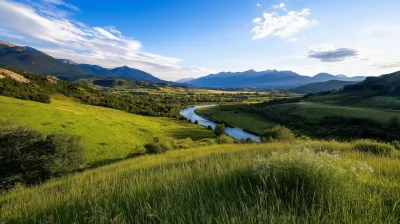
[(209, 127), (396, 144), (277, 133), (219, 129), (304, 174), (65, 153), (27, 158), (159, 145), (196, 122), (225, 139), (374, 147)]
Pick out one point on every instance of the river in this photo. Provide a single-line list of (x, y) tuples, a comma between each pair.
[(236, 133)]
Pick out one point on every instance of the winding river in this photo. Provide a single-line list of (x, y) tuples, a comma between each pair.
[(236, 133)]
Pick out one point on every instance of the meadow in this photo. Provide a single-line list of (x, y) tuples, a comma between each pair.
[(318, 111), (254, 183), (107, 134)]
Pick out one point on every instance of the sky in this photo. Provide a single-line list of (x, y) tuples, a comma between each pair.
[(174, 39)]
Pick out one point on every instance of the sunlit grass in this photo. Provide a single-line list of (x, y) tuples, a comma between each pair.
[(216, 184), (107, 134)]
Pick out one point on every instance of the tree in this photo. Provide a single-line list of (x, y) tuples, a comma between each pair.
[(219, 129), (277, 133)]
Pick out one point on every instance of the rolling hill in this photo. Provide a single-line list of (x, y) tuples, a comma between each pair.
[(264, 79), (322, 86)]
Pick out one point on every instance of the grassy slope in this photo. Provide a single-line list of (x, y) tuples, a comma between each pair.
[(107, 134), (317, 111), (249, 122), (216, 184), (358, 100)]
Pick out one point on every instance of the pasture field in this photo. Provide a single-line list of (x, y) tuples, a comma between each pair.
[(354, 100), (252, 123), (219, 184), (318, 111), (107, 134)]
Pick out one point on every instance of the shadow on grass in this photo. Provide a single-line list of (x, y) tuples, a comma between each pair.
[(194, 134)]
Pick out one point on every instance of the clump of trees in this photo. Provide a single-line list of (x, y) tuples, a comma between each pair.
[(28, 157), (219, 129), (277, 133)]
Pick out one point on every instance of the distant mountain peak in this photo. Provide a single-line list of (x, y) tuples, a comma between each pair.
[(67, 61), (8, 44)]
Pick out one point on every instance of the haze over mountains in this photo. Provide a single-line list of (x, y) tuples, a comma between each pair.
[(36, 61), (265, 79)]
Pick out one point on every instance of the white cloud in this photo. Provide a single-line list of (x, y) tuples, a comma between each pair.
[(258, 4), (62, 37), (281, 26), (280, 6)]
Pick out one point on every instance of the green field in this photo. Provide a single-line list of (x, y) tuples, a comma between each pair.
[(107, 134), (252, 123), (216, 184), (318, 111), (378, 102)]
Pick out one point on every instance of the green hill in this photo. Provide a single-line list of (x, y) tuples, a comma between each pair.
[(221, 184), (107, 134), (322, 86)]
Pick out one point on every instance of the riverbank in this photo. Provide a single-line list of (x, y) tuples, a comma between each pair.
[(250, 123), (235, 132)]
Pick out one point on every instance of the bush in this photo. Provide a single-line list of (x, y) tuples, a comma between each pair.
[(27, 158), (396, 144), (375, 147), (225, 139), (219, 129), (303, 174), (209, 127), (159, 145), (277, 133), (196, 122), (65, 153)]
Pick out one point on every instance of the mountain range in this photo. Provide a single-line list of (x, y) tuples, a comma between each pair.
[(33, 60), (265, 79)]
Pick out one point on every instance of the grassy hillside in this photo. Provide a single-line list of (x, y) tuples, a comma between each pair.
[(318, 111), (219, 184), (316, 87), (107, 134)]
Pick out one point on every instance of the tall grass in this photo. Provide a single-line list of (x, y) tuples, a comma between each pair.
[(215, 184)]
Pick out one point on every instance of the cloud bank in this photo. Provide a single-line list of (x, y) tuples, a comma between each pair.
[(48, 25), (281, 26), (328, 53)]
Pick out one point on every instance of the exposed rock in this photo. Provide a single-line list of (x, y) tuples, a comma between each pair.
[(17, 77)]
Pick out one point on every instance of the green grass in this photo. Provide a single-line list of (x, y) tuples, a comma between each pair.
[(107, 134), (216, 184), (252, 123), (318, 111), (359, 100)]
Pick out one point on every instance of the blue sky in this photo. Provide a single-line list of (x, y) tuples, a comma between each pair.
[(174, 39)]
